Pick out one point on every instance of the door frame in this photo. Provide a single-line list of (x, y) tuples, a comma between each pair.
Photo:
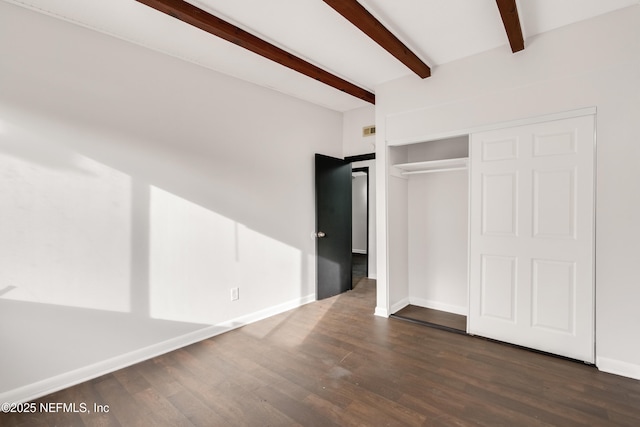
[(362, 158), (364, 169)]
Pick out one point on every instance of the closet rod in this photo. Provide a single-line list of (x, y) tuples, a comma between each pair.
[(435, 170)]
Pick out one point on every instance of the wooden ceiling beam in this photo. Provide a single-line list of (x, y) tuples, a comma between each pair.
[(511, 21), (205, 21), (355, 13)]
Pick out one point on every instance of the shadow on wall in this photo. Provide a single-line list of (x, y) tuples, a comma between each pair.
[(95, 263)]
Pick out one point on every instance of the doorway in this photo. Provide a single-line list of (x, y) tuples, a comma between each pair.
[(360, 224), (335, 265), (364, 221), (333, 226)]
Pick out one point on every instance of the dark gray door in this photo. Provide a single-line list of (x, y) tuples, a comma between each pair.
[(333, 225)]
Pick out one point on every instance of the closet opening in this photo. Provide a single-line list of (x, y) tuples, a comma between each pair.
[(438, 319), (429, 191), (498, 226)]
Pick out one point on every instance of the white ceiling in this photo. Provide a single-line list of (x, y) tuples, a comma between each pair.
[(438, 31)]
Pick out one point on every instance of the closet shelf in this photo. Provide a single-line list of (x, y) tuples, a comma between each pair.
[(433, 166)]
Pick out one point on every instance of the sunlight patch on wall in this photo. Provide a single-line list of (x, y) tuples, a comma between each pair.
[(192, 255), (266, 264), (197, 256), (64, 226)]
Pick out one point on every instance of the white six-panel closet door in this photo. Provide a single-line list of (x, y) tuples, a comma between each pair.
[(532, 236)]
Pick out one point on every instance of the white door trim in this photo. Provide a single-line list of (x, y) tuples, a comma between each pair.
[(587, 111)]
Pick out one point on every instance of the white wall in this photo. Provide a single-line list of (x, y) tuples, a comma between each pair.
[(353, 121), (592, 63), (355, 144), (359, 214), (137, 190), (398, 246), (438, 240)]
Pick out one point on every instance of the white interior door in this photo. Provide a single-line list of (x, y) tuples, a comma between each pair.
[(532, 236)]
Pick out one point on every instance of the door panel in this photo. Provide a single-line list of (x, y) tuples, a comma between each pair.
[(498, 287), (531, 237), (499, 150), (333, 225), (554, 285), (499, 204), (554, 200)]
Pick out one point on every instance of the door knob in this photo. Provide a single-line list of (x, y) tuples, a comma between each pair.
[(320, 234)]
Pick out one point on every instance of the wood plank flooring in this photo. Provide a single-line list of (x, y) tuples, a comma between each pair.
[(435, 318), (358, 267), (332, 363)]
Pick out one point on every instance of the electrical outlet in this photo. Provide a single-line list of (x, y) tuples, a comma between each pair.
[(235, 294)]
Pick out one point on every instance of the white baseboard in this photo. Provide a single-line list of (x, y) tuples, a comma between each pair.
[(50, 385), (382, 312), (437, 305), (617, 367), (267, 312), (359, 251), (400, 305)]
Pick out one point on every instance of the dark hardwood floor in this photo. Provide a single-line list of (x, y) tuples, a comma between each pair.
[(358, 267), (332, 363), (434, 318)]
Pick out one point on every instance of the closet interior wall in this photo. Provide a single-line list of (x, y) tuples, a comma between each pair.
[(430, 185)]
